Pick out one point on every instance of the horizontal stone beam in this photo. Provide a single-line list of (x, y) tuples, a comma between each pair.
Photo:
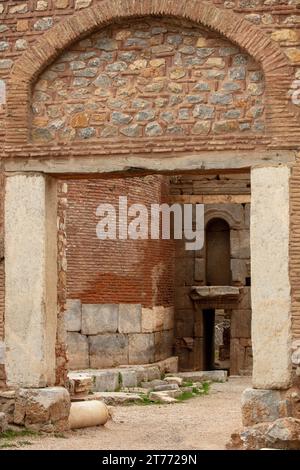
[(141, 164), (212, 199)]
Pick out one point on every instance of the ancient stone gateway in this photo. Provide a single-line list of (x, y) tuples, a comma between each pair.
[(150, 87)]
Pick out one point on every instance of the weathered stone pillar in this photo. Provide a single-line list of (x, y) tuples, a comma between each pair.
[(30, 279), (270, 290)]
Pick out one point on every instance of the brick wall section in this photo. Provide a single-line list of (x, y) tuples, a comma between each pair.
[(116, 271)]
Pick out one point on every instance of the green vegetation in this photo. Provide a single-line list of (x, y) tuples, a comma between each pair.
[(8, 439), (12, 434), (146, 401), (185, 396), (206, 387)]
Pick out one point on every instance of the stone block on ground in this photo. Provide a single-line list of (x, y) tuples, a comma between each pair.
[(153, 372), (80, 382), (141, 348), (106, 380), (99, 318), (281, 434), (7, 404), (166, 387), (203, 376), (3, 422), (108, 350), (130, 318), (259, 406), (115, 398), (128, 378), (141, 374), (42, 409), (78, 351), (162, 397), (169, 365), (152, 384), (174, 380), (72, 316)]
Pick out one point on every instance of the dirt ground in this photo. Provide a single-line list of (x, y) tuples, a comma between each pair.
[(201, 423)]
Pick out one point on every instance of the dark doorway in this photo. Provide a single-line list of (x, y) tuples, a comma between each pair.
[(208, 339), (218, 272)]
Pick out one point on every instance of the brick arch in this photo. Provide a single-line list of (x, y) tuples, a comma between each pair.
[(274, 63)]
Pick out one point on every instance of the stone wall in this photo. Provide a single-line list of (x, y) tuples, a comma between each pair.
[(191, 271), (148, 78), (109, 335)]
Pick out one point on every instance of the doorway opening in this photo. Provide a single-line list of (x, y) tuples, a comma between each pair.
[(142, 301), (218, 271)]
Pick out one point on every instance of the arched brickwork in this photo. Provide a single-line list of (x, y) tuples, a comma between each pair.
[(248, 37)]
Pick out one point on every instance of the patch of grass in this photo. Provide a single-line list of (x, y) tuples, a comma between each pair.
[(146, 401), (12, 434), (197, 391), (24, 443), (206, 387), (185, 396), (7, 445), (187, 384)]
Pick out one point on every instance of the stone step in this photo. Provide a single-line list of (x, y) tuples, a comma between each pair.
[(204, 376), (166, 387), (164, 397), (111, 398), (110, 380), (174, 380)]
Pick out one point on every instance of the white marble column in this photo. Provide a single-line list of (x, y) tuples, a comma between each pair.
[(270, 290), (30, 279)]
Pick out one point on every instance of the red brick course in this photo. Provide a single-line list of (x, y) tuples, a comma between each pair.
[(116, 271)]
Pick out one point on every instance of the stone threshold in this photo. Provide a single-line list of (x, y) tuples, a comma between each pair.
[(111, 380)]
